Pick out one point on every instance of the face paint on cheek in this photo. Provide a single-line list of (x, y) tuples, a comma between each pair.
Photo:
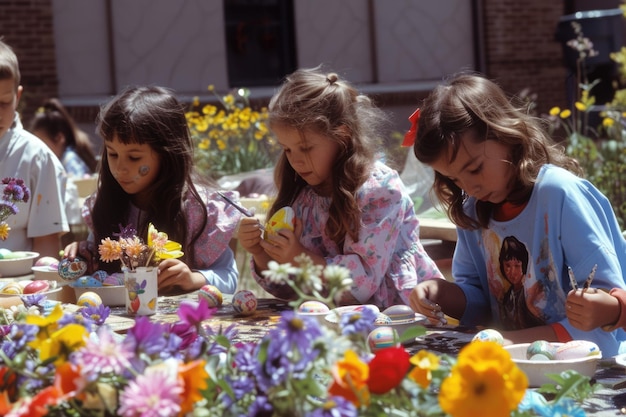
[(144, 170)]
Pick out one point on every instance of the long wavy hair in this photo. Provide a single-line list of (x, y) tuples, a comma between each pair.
[(310, 100), (152, 116), (472, 102)]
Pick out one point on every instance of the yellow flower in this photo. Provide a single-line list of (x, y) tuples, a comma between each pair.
[(485, 381), (580, 106), (425, 362), (61, 343), (47, 324), (565, 114), (554, 111), (608, 122), (4, 230), (163, 247), (204, 144)]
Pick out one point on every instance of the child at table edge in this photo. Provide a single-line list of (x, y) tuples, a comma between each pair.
[(146, 176), (351, 209), (478, 147)]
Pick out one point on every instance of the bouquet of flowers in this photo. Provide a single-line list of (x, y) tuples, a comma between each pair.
[(132, 252), (15, 191), (70, 363)]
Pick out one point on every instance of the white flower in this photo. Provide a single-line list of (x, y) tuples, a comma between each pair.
[(338, 276), (279, 273)]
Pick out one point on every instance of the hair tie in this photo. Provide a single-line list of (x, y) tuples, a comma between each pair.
[(411, 135), (332, 78)]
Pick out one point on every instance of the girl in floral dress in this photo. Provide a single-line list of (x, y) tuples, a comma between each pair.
[(146, 176), (351, 209)]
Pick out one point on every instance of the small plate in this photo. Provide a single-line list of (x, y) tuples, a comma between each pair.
[(336, 313)]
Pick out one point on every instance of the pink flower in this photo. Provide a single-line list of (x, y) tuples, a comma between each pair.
[(152, 394), (103, 355)]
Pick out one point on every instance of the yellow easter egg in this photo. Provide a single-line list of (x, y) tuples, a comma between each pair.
[(89, 299), (284, 218)]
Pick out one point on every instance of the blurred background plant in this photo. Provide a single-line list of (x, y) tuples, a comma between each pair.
[(230, 137), (600, 150)]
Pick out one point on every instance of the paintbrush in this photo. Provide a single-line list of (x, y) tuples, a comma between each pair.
[(572, 279), (590, 277), (241, 209)]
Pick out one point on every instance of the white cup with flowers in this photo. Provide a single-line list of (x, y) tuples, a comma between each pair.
[(140, 265)]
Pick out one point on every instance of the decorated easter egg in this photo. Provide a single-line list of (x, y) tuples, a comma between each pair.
[(489, 335), (284, 218), (86, 281), (382, 337), (100, 275), (4, 252), (89, 299), (70, 269), (12, 288), (34, 287), (382, 319), (400, 313), (541, 350), (47, 261), (576, 349), (113, 280), (244, 302), (212, 294), (313, 307)]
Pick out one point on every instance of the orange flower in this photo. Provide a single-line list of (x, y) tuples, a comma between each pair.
[(350, 377), (425, 362), (110, 250), (194, 377), (387, 369)]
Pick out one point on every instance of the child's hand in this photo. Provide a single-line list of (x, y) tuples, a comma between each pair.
[(284, 246), (249, 234), (86, 250), (591, 309), (175, 277), (421, 302)]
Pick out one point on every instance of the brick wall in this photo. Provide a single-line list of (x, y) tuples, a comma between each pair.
[(520, 51), (26, 25)]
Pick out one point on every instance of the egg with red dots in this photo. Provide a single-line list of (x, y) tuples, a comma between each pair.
[(314, 307), (212, 295), (382, 337), (244, 302), (89, 299)]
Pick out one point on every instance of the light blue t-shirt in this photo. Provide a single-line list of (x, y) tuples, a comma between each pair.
[(567, 222)]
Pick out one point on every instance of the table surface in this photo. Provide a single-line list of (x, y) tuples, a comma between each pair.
[(608, 401)]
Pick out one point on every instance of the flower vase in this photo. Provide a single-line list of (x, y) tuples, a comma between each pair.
[(141, 290)]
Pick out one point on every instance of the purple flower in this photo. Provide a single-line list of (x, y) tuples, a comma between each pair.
[(15, 190), (194, 313), (153, 394), (336, 407), (126, 232), (31, 300), (18, 335), (98, 314), (358, 322), (146, 337), (261, 407)]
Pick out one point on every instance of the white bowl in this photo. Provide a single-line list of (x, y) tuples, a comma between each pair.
[(15, 267), (403, 325), (112, 295), (53, 293), (536, 371), (334, 317), (46, 273)]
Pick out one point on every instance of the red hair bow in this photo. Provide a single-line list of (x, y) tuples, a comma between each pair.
[(411, 135)]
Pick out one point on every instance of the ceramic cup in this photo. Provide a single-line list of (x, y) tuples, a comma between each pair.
[(141, 290)]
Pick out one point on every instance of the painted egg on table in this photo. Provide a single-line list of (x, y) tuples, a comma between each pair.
[(244, 302), (12, 288), (576, 349), (69, 270), (100, 275), (541, 350), (212, 295), (284, 218), (36, 286), (86, 281), (489, 335), (382, 319), (4, 253), (89, 299), (47, 261), (113, 280), (399, 313), (313, 307), (382, 337)]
